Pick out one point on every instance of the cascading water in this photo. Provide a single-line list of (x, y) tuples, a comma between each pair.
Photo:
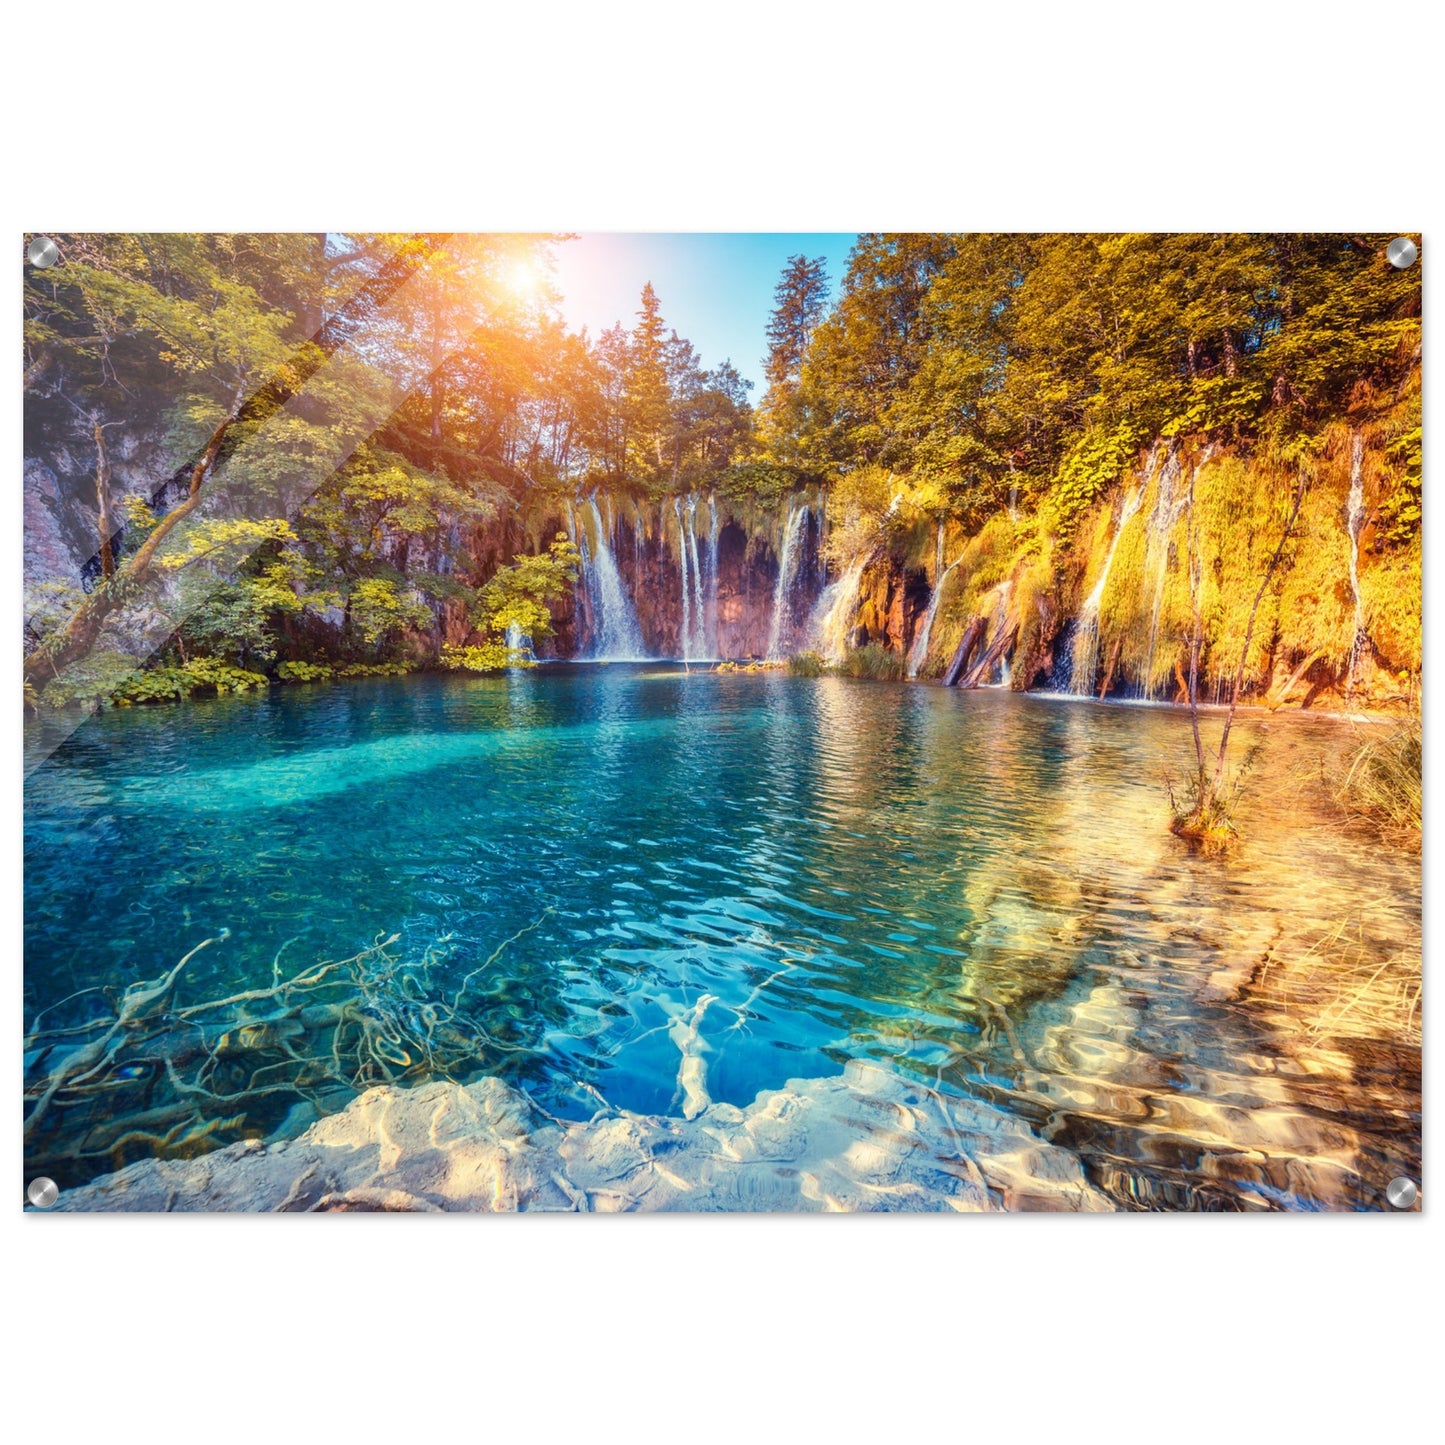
[(712, 531), (820, 557), (1170, 499), (618, 636), (1085, 661), (787, 575), (519, 646), (696, 641), (1354, 522), (918, 654), (833, 618), (692, 635), (685, 631)]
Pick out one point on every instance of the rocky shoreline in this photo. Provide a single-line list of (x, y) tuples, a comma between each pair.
[(863, 1141)]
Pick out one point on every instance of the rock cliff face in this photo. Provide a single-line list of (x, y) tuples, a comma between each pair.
[(62, 542)]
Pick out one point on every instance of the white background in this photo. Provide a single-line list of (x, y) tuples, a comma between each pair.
[(728, 116)]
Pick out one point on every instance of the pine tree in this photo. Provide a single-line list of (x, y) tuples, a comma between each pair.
[(801, 299), (648, 395)]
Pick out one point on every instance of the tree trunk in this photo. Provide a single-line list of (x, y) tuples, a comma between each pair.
[(102, 504), (971, 637), (1183, 683), (1282, 696), (1108, 681), (996, 650), (1196, 639), (435, 388)]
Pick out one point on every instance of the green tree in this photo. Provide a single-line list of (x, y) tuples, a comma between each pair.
[(199, 314), (518, 597), (800, 300), (864, 355), (648, 395)]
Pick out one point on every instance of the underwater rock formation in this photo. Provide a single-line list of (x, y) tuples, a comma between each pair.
[(866, 1140)]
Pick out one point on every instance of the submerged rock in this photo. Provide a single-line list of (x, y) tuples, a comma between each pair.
[(863, 1141)]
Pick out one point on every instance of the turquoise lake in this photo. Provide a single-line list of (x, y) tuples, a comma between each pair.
[(978, 889)]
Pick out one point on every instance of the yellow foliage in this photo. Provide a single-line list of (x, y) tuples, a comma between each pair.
[(1391, 592)]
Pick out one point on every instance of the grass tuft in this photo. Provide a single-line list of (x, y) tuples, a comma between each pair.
[(873, 662), (1384, 783)]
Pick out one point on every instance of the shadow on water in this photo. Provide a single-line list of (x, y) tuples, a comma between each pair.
[(975, 888)]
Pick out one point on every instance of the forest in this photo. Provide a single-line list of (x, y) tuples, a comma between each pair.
[(283, 457)]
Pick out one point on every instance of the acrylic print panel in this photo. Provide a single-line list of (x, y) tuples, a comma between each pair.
[(754, 722)]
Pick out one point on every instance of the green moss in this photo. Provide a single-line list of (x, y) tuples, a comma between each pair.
[(1393, 612), (990, 556), (305, 672), (1033, 584), (199, 675), (375, 669)]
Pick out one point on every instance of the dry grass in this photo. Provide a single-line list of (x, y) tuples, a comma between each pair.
[(1340, 985), (1383, 785)]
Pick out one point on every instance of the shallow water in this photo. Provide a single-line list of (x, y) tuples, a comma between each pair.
[(977, 889)]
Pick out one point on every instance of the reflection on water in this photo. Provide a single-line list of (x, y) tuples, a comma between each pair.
[(765, 878)]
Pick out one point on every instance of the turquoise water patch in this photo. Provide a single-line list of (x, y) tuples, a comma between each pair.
[(978, 889)]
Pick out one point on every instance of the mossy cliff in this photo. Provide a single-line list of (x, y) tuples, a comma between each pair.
[(1102, 604)]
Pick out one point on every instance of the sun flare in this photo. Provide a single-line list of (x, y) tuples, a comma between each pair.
[(523, 280)]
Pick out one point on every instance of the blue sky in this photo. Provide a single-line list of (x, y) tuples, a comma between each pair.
[(716, 289)]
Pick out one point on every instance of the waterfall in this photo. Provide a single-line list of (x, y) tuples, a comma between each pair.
[(712, 644), (519, 646), (918, 655), (787, 573), (618, 636), (1354, 523), (833, 617), (684, 634), (1169, 502), (938, 567), (692, 637), (1085, 662), (697, 639)]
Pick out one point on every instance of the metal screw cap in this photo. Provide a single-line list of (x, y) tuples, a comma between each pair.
[(1402, 252), (43, 253), (1402, 1192), (42, 1192)]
